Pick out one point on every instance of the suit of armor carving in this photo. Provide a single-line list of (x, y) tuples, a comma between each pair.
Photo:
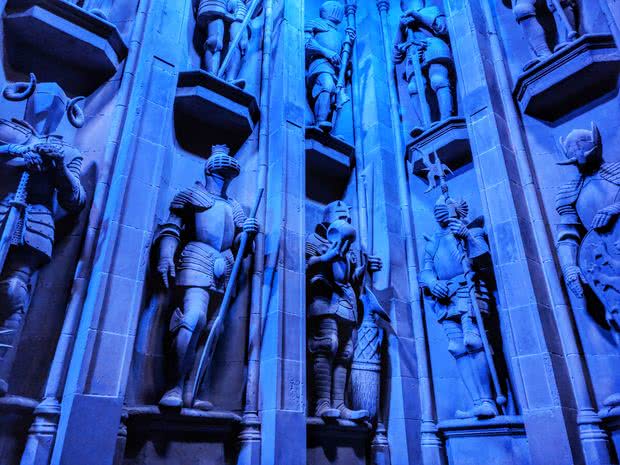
[(422, 41), (588, 233), (197, 246), (442, 279), (324, 44), (53, 166), (334, 279)]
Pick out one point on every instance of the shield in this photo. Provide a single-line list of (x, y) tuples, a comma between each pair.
[(599, 260)]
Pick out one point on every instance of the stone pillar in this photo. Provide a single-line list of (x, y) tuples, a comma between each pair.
[(91, 405), (283, 353)]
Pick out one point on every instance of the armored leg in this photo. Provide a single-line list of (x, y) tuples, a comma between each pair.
[(342, 368), (440, 83), (323, 344), (567, 23), (323, 94), (416, 105), (525, 13), (214, 45), (186, 325), (14, 296), (473, 344), (237, 54)]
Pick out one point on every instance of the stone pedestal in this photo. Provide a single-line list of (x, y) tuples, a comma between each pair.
[(15, 418), (177, 437), (448, 139), (577, 74), (340, 442), (63, 43), (497, 441), (611, 422), (329, 163), (209, 110)]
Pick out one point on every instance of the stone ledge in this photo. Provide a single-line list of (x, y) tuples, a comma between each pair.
[(152, 418), (61, 42), (583, 71), (209, 111), (498, 426), (338, 427)]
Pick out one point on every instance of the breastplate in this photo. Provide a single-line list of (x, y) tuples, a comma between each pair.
[(340, 271), (332, 39), (216, 226), (448, 258), (596, 193)]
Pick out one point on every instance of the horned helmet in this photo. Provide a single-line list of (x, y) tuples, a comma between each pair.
[(332, 11), (46, 104), (451, 208), (221, 164), (335, 211), (583, 148)]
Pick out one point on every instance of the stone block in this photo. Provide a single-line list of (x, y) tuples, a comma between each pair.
[(61, 42), (579, 73)]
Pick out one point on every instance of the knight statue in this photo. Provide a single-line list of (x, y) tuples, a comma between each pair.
[(324, 58), (219, 19), (564, 13), (588, 235), (334, 285), (197, 247), (39, 166), (422, 42), (444, 281)]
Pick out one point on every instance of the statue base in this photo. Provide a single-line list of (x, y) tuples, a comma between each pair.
[(340, 442), (155, 435), (611, 423), (209, 110), (579, 73), (329, 163), (60, 42), (449, 139), (16, 414), (500, 441)]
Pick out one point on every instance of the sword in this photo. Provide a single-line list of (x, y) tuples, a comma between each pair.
[(218, 324), (237, 38), (571, 33), (16, 211), (341, 96), (437, 171)]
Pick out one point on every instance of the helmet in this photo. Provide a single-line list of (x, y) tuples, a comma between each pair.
[(332, 10), (337, 210), (582, 147), (220, 163), (445, 210)]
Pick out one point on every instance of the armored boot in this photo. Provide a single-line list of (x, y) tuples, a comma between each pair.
[(322, 110), (444, 102), (485, 407), (535, 35), (322, 370), (338, 387), (468, 376)]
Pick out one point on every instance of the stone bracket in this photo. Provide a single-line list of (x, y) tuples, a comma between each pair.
[(63, 43), (449, 139), (581, 72), (152, 418), (209, 110), (329, 163)]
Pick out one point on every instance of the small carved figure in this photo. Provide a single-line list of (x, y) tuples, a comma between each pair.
[(205, 225), (326, 54), (564, 13), (422, 42), (591, 201), (219, 19), (444, 280), (334, 280), (42, 166)]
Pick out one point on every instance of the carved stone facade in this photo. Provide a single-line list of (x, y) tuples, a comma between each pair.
[(276, 232)]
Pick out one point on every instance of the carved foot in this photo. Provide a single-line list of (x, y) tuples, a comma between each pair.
[(463, 414), (325, 126), (172, 399), (4, 388), (415, 132), (486, 410), (240, 83), (612, 400), (353, 415), (203, 405), (324, 411)]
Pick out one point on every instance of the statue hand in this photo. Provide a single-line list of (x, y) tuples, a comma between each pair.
[(52, 151), (33, 161), (440, 289), (458, 228), (574, 280), (251, 226), (603, 217), (374, 264), (406, 20), (166, 270), (351, 34), (334, 59), (333, 253)]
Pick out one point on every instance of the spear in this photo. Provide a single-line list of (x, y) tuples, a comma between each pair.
[(438, 171), (218, 324), (17, 207), (341, 96)]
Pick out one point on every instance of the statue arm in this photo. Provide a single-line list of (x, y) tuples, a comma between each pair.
[(568, 240), (313, 48), (71, 194), (169, 236), (427, 277), (476, 244)]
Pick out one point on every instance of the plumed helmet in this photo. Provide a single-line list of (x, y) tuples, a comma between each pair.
[(337, 210), (582, 147), (333, 11), (220, 163), (445, 210)]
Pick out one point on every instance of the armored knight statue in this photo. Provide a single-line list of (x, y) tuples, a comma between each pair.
[(588, 235), (334, 282), (38, 167), (565, 15), (197, 245), (422, 42), (444, 281), (219, 19), (324, 58)]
